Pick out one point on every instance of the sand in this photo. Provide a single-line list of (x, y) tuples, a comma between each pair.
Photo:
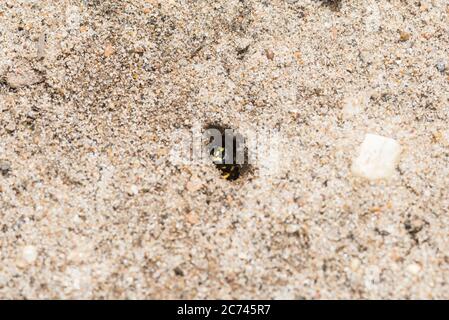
[(93, 205)]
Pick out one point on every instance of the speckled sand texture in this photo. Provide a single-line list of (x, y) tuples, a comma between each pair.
[(91, 205)]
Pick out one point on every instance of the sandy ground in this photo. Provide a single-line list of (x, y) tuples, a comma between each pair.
[(92, 205)]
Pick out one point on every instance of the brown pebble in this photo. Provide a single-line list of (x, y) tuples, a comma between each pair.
[(376, 210), (270, 54), (178, 271), (22, 76), (298, 57), (139, 49), (192, 218), (426, 35), (404, 36), (11, 127), (109, 50)]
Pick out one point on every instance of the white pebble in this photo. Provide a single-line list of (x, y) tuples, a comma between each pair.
[(133, 190), (29, 254), (377, 159), (355, 264), (292, 228), (414, 268)]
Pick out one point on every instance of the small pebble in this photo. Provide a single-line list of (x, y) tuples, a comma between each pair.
[(377, 159), (192, 218), (298, 57), (414, 268), (22, 78), (441, 66), (29, 254), (178, 271), (5, 167), (10, 127), (292, 228), (441, 137), (404, 36), (109, 51), (133, 190), (355, 264)]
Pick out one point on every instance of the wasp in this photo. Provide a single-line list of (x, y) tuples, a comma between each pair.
[(229, 171), (224, 156)]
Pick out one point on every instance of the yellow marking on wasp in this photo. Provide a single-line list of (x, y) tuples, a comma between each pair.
[(218, 153), (226, 176)]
